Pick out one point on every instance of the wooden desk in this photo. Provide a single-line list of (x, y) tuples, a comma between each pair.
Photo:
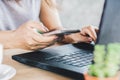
[(25, 72)]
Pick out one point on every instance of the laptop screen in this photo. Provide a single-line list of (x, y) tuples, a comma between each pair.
[(110, 23)]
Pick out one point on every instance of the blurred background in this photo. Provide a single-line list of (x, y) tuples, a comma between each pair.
[(75, 14)]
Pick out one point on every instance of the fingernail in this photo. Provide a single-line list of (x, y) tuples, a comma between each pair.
[(90, 39)]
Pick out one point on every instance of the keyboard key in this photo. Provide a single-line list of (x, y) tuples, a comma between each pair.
[(78, 58)]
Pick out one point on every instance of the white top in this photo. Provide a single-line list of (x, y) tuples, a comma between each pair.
[(13, 14)]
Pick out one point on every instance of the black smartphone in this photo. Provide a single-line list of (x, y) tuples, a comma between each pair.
[(61, 32)]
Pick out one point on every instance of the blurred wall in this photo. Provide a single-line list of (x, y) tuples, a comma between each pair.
[(77, 13)]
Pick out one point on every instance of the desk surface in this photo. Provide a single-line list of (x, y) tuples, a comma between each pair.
[(25, 72)]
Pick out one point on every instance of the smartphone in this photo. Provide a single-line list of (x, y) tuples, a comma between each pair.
[(61, 32)]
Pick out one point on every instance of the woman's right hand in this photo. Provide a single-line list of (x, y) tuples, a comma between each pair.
[(26, 37)]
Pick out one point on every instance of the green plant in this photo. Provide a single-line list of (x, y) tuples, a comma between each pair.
[(106, 58)]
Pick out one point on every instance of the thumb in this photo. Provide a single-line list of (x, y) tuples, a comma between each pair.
[(39, 27)]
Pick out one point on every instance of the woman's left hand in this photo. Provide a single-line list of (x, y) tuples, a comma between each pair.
[(87, 34)]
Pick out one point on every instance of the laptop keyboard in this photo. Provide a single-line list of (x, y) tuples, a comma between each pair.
[(78, 59)]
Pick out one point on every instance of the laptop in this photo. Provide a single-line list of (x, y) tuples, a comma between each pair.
[(73, 60)]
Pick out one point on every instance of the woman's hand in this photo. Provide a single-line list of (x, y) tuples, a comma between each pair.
[(26, 37), (87, 35)]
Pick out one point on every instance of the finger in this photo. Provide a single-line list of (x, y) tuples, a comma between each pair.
[(81, 38), (29, 43), (43, 39), (44, 29), (76, 37), (32, 44), (96, 30), (93, 34), (37, 25), (40, 27), (89, 31)]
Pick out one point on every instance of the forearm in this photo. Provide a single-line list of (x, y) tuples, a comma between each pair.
[(49, 16), (6, 38)]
